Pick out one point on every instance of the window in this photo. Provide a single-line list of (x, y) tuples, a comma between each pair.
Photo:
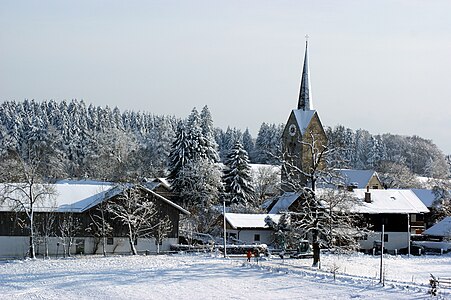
[(385, 237), (109, 241), (375, 187), (135, 242), (256, 237)]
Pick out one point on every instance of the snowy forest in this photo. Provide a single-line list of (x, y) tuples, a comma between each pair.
[(81, 141)]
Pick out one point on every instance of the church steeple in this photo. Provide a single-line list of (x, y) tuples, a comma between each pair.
[(305, 93)]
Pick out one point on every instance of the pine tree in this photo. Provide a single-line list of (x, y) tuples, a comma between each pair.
[(179, 154), (206, 124), (248, 144), (237, 177)]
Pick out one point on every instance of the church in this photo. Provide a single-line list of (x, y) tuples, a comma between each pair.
[(305, 147), (304, 141)]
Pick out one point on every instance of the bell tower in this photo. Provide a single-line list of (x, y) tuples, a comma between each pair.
[(304, 140)]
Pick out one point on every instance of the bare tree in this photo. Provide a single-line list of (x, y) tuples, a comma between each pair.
[(301, 175), (267, 183), (68, 225), (161, 231), (45, 228), (397, 175), (99, 227), (441, 207), (138, 215), (24, 190)]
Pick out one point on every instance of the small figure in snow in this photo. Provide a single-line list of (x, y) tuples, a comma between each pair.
[(256, 254), (249, 255)]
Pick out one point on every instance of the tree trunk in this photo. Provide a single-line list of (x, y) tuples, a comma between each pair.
[(104, 246), (131, 240), (316, 254), (132, 245), (32, 250)]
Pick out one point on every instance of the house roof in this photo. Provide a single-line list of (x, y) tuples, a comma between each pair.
[(237, 221), (442, 228), (426, 196), (382, 202), (77, 198), (303, 118), (393, 201), (284, 202), (360, 178), (67, 196)]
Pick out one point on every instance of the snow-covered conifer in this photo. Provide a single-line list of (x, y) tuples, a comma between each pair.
[(237, 177)]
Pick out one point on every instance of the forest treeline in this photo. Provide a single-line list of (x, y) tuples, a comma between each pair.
[(86, 141)]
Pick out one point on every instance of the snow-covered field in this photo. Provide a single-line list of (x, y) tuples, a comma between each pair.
[(207, 277)]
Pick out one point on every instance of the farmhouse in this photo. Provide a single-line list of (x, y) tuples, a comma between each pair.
[(250, 228), (65, 218), (400, 211)]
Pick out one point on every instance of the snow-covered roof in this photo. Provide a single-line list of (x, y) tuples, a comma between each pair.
[(249, 220), (442, 228), (169, 202), (358, 177), (393, 201), (284, 202), (156, 182), (75, 197), (303, 118), (426, 196), (382, 202), (68, 197)]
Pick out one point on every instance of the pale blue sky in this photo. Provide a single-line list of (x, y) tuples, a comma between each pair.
[(384, 66)]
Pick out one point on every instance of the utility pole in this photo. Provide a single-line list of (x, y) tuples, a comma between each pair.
[(225, 230), (408, 234), (381, 280)]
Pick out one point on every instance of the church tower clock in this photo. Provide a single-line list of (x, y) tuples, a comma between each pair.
[(304, 140)]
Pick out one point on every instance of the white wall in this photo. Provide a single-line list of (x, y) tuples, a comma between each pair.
[(396, 240), (14, 246), (17, 247), (247, 236)]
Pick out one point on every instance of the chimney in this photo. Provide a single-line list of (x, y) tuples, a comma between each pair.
[(367, 195)]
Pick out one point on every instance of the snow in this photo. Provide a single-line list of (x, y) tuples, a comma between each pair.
[(71, 196), (208, 277), (426, 196), (359, 177), (249, 220), (303, 117), (284, 202), (442, 228), (389, 201)]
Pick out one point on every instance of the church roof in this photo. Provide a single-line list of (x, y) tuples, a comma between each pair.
[(305, 92), (303, 118)]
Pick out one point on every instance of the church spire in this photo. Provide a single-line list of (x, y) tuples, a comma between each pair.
[(305, 94)]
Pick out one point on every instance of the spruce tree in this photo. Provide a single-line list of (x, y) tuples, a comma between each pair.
[(237, 177)]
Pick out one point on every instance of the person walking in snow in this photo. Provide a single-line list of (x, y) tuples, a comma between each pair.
[(249, 255)]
